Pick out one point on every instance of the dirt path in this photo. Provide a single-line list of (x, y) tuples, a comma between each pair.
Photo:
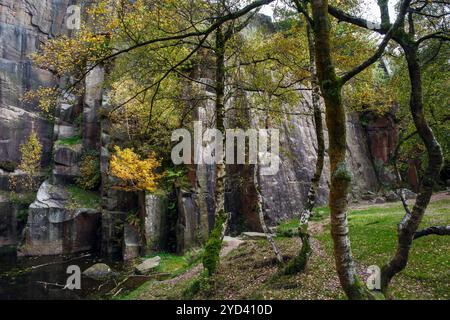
[(230, 244)]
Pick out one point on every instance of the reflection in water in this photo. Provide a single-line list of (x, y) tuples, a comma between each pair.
[(44, 277)]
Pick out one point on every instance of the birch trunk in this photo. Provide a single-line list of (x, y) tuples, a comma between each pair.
[(331, 86), (409, 225), (259, 207)]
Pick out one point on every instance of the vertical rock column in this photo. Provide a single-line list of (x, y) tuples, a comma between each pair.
[(155, 222), (196, 209), (92, 102), (116, 204)]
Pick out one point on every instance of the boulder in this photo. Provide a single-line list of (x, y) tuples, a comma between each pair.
[(56, 225), (392, 196), (98, 271), (253, 235), (148, 265), (379, 200), (409, 194), (369, 195)]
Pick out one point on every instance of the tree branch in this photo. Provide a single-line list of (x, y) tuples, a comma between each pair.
[(207, 31), (436, 230), (437, 35), (400, 19)]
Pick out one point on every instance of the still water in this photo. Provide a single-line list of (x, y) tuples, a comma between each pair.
[(43, 278)]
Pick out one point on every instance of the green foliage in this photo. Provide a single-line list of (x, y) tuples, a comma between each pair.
[(289, 228), (70, 141), (31, 154), (8, 166), (175, 177), (435, 75), (80, 198), (133, 220), (90, 175), (175, 264), (320, 213), (22, 199), (22, 216), (211, 256)]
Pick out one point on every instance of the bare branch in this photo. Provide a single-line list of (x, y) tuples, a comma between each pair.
[(436, 230), (400, 19)]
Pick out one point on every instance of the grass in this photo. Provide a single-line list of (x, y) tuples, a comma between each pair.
[(288, 228), (70, 141), (374, 237), (80, 198), (172, 264), (250, 272), (175, 264)]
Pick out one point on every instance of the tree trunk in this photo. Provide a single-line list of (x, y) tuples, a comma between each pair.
[(259, 208), (220, 119), (299, 263), (407, 228), (411, 221), (214, 243), (315, 181), (331, 87)]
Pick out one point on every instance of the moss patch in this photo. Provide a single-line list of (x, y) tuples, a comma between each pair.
[(70, 141), (80, 198), (213, 246)]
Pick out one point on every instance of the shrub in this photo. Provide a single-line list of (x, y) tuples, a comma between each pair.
[(8, 166), (31, 152), (134, 173), (90, 171)]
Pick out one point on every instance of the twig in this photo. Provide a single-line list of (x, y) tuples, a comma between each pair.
[(59, 262)]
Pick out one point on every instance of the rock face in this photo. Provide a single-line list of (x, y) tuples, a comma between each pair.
[(92, 102), (189, 228), (155, 221), (131, 242), (285, 193), (382, 136), (8, 223), (56, 225), (116, 204), (24, 25)]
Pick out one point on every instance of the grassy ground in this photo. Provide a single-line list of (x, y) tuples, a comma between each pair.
[(176, 264), (80, 198), (250, 272)]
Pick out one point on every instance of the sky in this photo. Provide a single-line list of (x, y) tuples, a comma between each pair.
[(372, 13)]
